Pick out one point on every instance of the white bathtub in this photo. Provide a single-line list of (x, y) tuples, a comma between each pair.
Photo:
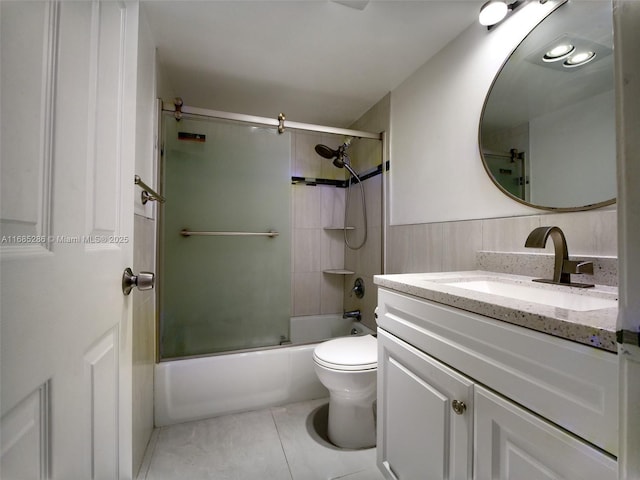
[(197, 388)]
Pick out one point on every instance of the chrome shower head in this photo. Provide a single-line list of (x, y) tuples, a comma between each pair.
[(341, 160), (326, 152), (339, 156)]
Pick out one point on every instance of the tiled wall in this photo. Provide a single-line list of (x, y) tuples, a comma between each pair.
[(367, 261), (452, 246), (314, 248)]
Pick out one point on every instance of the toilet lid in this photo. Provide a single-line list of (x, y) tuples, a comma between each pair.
[(348, 353)]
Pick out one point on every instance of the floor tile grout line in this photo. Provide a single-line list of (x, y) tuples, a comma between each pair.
[(347, 475), (284, 452), (282, 419)]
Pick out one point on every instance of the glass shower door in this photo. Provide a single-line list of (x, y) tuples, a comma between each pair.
[(227, 292)]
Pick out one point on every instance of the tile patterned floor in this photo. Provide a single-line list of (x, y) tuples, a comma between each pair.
[(279, 443)]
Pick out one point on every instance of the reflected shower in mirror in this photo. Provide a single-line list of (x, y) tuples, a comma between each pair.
[(547, 133)]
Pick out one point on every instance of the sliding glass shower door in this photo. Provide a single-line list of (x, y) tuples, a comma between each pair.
[(222, 290)]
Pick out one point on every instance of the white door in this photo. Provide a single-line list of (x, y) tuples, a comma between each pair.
[(423, 430), (67, 158)]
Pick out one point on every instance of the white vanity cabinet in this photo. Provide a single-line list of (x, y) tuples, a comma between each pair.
[(535, 406)]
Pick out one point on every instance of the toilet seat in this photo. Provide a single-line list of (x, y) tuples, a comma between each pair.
[(348, 353)]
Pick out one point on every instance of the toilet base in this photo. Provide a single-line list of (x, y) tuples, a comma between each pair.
[(352, 422)]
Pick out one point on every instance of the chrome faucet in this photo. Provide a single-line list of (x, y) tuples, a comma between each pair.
[(355, 314), (563, 267)]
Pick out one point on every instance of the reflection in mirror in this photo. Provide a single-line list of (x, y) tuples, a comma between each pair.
[(547, 133)]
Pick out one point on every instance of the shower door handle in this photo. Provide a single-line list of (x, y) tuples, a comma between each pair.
[(143, 281)]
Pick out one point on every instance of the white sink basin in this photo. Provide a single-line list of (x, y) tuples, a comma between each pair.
[(544, 296)]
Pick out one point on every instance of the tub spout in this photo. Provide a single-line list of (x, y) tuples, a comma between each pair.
[(355, 314)]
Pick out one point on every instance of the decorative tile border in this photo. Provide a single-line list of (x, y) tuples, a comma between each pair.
[(338, 183)]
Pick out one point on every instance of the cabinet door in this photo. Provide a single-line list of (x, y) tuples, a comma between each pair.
[(420, 436), (512, 443)]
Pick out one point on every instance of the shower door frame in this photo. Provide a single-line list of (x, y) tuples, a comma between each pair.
[(265, 121), (189, 111)]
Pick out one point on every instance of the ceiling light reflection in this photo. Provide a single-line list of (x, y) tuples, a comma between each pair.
[(559, 52), (579, 59)]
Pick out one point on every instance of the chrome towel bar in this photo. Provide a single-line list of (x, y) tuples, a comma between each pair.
[(189, 233), (148, 193)]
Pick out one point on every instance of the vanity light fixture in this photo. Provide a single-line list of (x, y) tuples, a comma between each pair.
[(493, 12), (559, 52), (579, 59)]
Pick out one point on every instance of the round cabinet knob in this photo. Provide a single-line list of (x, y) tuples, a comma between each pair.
[(458, 407)]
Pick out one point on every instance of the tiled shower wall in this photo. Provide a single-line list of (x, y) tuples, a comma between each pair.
[(367, 261), (314, 248)]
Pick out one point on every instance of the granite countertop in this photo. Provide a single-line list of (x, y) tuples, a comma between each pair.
[(596, 328)]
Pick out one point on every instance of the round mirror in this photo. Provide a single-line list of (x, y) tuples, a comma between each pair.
[(547, 132)]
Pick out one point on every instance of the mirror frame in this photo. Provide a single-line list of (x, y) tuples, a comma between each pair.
[(591, 206)]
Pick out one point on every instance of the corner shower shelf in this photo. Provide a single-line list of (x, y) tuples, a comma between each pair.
[(339, 228), (338, 271)]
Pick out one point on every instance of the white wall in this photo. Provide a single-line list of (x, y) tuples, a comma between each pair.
[(144, 246), (436, 170), (146, 115)]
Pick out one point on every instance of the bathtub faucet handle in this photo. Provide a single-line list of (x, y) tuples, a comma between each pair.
[(355, 314), (358, 287)]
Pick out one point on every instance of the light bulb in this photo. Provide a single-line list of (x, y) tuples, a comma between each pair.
[(579, 59), (492, 12), (559, 52)]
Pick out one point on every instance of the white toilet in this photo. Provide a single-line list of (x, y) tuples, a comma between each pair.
[(347, 367)]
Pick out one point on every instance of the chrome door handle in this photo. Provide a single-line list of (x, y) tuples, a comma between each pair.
[(143, 281)]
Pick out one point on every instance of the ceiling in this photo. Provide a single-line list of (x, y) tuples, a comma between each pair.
[(324, 62)]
